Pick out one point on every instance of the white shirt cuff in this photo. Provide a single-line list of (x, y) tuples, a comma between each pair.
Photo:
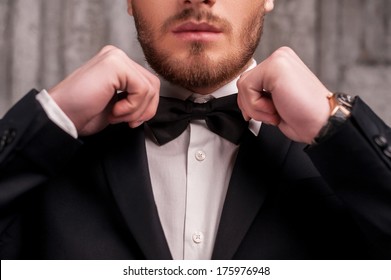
[(55, 114)]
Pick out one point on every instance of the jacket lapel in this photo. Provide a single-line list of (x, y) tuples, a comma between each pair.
[(128, 176), (127, 172), (257, 162)]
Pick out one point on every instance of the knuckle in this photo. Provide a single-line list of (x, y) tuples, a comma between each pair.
[(106, 49), (283, 55), (151, 88), (241, 84), (156, 82), (284, 51), (114, 55)]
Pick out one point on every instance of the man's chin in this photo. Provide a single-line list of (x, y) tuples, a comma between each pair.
[(195, 70), (196, 78)]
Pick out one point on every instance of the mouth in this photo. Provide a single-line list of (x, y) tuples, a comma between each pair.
[(192, 31)]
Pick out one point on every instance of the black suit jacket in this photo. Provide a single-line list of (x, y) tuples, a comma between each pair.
[(91, 198)]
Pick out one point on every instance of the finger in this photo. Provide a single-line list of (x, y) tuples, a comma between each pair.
[(136, 108), (264, 110), (142, 89), (272, 119), (126, 119), (133, 109), (145, 102), (252, 101), (132, 119), (244, 114)]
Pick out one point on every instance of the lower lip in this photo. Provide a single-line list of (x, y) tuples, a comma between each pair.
[(198, 36)]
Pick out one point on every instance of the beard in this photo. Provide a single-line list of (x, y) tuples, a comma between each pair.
[(199, 70)]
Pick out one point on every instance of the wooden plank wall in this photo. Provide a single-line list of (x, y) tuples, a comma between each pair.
[(347, 43)]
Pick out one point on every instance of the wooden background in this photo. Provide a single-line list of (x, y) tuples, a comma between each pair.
[(347, 43)]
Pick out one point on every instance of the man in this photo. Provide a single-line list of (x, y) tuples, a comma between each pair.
[(87, 171)]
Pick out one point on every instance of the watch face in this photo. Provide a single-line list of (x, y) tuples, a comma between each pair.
[(345, 99)]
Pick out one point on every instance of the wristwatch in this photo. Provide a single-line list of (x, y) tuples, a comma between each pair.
[(340, 110)]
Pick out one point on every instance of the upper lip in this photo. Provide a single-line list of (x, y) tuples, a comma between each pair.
[(196, 27)]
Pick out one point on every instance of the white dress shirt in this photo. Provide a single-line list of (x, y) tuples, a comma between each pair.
[(189, 175)]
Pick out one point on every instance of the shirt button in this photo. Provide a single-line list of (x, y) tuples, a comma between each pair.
[(198, 237), (200, 155)]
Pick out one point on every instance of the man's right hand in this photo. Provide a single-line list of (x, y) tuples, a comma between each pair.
[(88, 95)]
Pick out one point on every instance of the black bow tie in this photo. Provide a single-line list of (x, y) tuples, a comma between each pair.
[(222, 116)]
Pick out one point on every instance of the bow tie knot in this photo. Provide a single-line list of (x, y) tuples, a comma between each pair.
[(198, 110), (222, 116)]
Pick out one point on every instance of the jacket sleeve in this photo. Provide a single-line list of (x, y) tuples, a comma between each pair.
[(356, 162), (32, 148)]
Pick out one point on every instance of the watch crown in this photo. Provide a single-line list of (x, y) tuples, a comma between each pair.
[(340, 104)]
